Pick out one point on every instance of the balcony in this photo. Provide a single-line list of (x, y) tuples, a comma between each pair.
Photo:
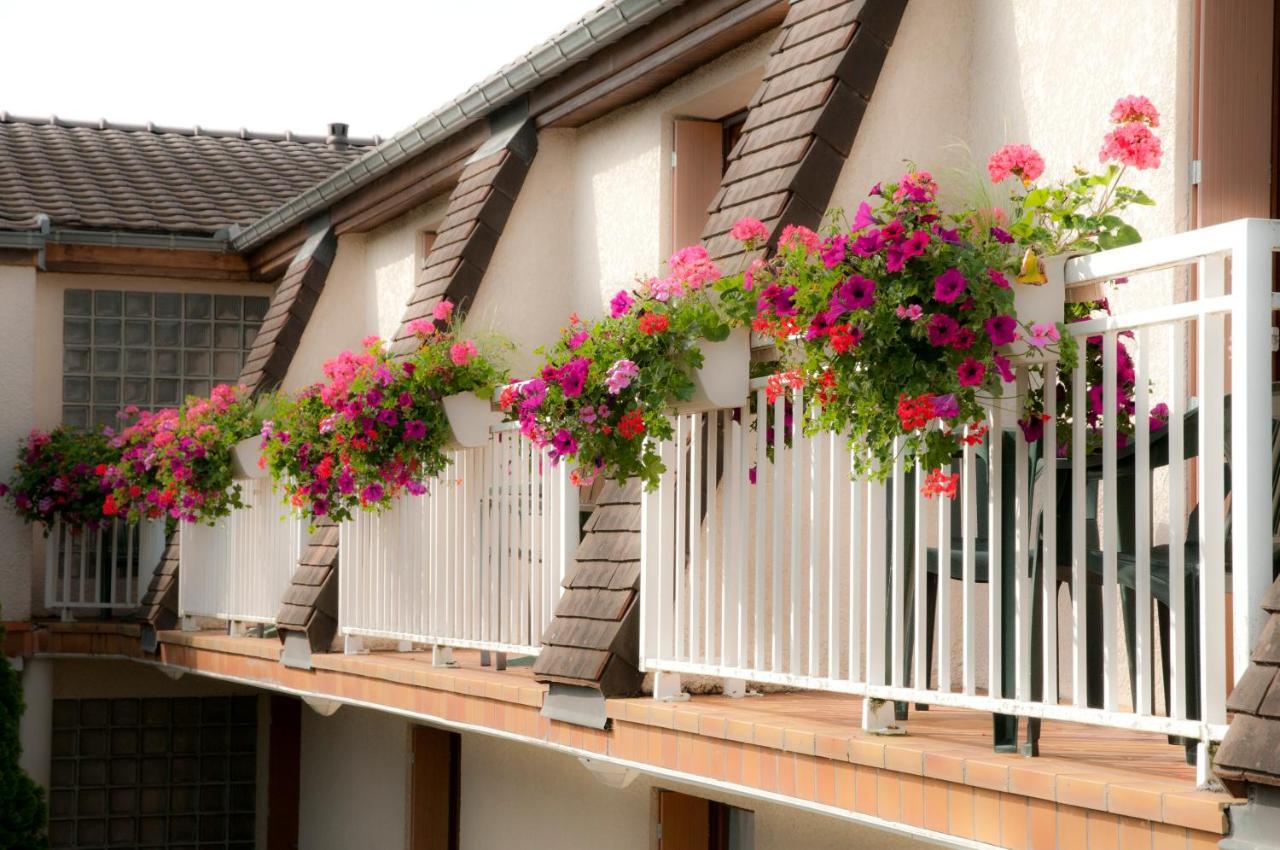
[(1041, 593)]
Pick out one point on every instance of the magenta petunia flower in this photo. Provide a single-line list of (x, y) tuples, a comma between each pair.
[(948, 286), (942, 329), (620, 303), (1002, 330), (572, 377), (563, 443), (415, 429), (1004, 368), (946, 406), (1001, 235), (372, 493), (856, 293), (970, 372), (863, 219), (998, 278)]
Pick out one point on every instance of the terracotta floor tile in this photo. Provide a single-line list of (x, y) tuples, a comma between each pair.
[(832, 747), (787, 774), (1033, 780), (986, 815), (866, 751), (1014, 822), (888, 796), (1194, 811), (1073, 828), (687, 721), (739, 730), (769, 768), (711, 726), (1042, 824), (960, 809), (1197, 840), (903, 759), (846, 785), (799, 741), (769, 735), (1166, 837), (947, 766), (911, 789), (1103, 831), (1083, 789), (993, 775), (866, 797), (936, 805), (1136, 800), (825, 781), (751, 766), (732, 761), (1135, 834)]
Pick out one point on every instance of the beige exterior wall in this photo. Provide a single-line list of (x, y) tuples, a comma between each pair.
[(18, 360), (355, 770)]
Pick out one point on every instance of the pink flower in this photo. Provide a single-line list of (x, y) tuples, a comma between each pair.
[(462, 352), (856, 293), (970, 372), (620, 303), (749, 230), (918, 186), (863, 219), (948, 286), (1042, 334), (796, 235), (693, 267), (1003, 367), (1132, 144), (1002, 330), (442, 311), (1022, 161), (998, 278), (415, 429), (1135, 108), (749, 276), (911, 311), (942, 329), (620, 376)]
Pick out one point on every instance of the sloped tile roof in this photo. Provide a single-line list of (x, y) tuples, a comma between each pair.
[(310, 605), (160, 603), (97, 175), (1249, 752)]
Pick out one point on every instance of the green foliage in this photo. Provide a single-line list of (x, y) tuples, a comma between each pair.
[(54, 478), (23, 817)]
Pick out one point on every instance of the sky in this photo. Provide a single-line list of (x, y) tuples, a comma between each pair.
[(268, 65)]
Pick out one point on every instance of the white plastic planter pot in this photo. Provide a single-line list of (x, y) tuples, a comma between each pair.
[(724, 380), (244, 458), (470, 418), (1043, 303)]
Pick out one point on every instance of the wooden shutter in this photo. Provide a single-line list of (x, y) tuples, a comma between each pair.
[(696, 168), (434, 792), (1235, 103), (284, 773)]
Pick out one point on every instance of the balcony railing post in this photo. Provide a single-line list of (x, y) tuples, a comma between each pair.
[(1251, 417)]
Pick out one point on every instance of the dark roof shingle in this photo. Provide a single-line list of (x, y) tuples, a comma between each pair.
[(115, 177)]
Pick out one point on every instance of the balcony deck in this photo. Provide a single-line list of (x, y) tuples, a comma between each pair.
[(1101, 785)]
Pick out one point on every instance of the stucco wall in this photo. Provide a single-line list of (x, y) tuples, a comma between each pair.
[(519, 795), (17, 416), (355, 768)]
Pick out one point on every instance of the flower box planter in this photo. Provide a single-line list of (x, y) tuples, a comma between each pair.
[(244, 458), (470, 418), (724, 379), (1044, 303)]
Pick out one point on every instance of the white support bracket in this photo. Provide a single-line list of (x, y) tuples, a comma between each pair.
[(404, 646), (878, 719), (667, 687), (353, 645), (189, 623), (737, 689), (442, 656)]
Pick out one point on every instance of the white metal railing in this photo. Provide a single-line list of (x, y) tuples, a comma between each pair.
[(806, 577), (239, 568), (103, 569), (476, 561)]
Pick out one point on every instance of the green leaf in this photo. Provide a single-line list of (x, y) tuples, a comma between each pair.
[(717, 332), (1036, 198)]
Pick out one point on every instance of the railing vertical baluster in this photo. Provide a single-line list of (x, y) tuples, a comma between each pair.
[(736, 528), (814, 523), (857, 575), (1110, 524), (1212, 366), (1177, 649), (668, 557), (776, 478), (1049, 537), (920, 585), (758, 492), (714, 575), (1023, 602), (697, 578), (942, 633), (797, 456), (684, 523), (995, 549), (969, 529), (876, 586), (898, 542), (1142, 530), (833, 513), (52, 543), (115, 551), (1079, 556)]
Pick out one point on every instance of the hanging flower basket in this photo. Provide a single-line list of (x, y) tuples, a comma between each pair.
[(723, 380), (1039, 298), (470, 418), (245, 456)]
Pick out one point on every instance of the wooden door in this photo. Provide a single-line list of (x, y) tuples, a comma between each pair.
[(684, 822), (697, 165), (434, 787), (284, 754)]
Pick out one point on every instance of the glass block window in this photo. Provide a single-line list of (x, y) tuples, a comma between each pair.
[(153, 773), (149, 349)]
